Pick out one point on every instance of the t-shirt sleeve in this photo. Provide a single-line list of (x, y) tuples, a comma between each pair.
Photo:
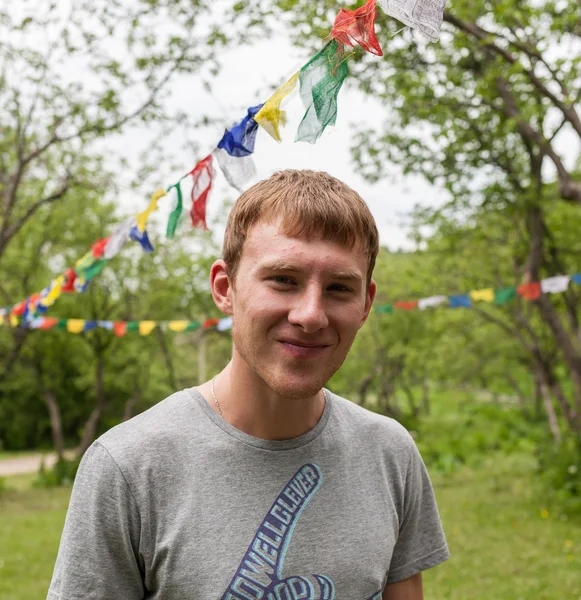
[(99, 552), (421, 543)]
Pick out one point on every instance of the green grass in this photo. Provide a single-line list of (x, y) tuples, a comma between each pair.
[(31, 523), (503, 546)]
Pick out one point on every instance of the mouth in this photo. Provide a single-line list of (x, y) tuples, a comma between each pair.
[(299, 349)]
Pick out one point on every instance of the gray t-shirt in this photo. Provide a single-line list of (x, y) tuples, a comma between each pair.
[(176, 504)]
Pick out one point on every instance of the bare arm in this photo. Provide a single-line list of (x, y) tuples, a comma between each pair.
[(408, 589)]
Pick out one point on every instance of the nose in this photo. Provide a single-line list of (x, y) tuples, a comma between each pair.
[(309, 311)]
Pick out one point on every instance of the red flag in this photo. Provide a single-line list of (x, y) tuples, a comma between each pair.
[(120, 328), (406, 305), (49, 323), (358, 27), (209, 323), (18, 309), (99, 247), (69, 284), (530, 291), (203, 176)]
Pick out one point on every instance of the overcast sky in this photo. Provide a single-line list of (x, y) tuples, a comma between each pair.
[(245, 81)]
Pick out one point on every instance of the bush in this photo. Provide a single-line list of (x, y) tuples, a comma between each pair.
[(470, 436), (62, 474), (559, 469)]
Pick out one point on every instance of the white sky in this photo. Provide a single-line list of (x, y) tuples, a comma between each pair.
[(246, 79)]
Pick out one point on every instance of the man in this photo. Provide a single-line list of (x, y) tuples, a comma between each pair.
[(260, 483)]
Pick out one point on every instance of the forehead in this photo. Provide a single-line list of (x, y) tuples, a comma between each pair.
[(267, 245)]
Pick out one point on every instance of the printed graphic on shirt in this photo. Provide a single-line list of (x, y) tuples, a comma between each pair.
[(259, 575)]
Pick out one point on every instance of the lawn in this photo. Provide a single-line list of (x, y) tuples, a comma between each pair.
[(504, 545)]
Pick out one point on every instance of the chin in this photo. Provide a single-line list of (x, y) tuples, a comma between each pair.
[(295, 390)]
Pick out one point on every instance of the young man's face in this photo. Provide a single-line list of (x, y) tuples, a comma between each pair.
[(297, 306)]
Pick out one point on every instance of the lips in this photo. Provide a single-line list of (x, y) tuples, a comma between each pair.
[(299, 349)]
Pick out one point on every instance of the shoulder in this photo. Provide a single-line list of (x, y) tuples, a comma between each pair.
[(157, 431), (372, 428)]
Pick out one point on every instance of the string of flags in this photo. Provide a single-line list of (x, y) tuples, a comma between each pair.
[(319, 81), (529, 291), (119, 328)]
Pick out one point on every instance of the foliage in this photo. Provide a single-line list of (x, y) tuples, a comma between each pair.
[(61, 474), (559, 469)]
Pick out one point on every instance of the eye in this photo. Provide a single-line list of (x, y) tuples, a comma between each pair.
[(282, 280), (339, 287)]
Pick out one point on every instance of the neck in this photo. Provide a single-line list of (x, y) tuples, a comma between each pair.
[(248, 404)]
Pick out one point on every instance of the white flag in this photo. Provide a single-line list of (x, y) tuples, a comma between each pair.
[(238, 170), (431, 301), (555, 285), (425, 16)]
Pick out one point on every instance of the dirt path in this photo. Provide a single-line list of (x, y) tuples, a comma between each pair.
[(25, 464)]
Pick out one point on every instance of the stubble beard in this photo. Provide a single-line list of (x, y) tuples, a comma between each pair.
[(253, 355)]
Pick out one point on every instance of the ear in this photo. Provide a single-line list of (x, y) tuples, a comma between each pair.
[(370, 296), (221, 287)]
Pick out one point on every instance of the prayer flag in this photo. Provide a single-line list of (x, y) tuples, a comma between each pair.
[(141, 237), (75, 325), (146, 327), (358, 27), (460, 301), (178, 326), (504, 295), (321, 80), (224, 324), (119, 238), (425, 16), (237, 171), (555, 285), (406, 304), (270, 116), (529, 291), (142, 217), (239, 140), (432, 301), (385, 309), (120, 328), (576, 278), (176, 213), (210, 323), (203, 175), (192, 325), (486, 295), (132, 325), (69, 284), (48, 323), (99, 247)]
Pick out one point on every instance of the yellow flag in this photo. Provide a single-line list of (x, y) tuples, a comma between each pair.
[(146, 327), (75, 325), (486, 295), (178, 325), (270, 115), (85, 261), (142, 217), (14, 320), (54, 293)]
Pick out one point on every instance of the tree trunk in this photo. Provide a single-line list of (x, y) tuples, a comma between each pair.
[(56, 424), (363, 388), (426, 396), (90, 428), (551, 414), (167, 359), (519, 393), (414, 408)]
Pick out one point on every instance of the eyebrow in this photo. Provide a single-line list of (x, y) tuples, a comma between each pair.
[(285, 267)]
